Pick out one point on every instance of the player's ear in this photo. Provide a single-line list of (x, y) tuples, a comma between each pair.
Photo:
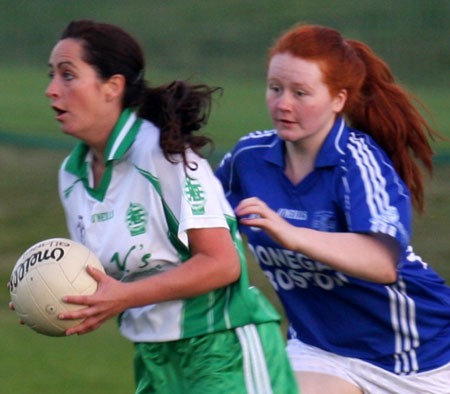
[(339, 100), (114, 87)]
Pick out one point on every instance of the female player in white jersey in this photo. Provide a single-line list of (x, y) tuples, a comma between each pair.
[(366, 314), (137, 192)]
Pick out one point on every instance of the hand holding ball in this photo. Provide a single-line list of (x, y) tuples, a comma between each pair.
[(43, 275)]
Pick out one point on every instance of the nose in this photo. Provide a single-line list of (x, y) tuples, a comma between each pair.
[(284, 102), (52, 91)]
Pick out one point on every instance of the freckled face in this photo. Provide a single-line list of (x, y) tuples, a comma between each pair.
[(77, 94), (299, 102)]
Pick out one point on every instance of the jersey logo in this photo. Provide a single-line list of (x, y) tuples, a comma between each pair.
[(293, 214), (195, 195), (102, 216), (81, 229), (324, 221), (136, 218)]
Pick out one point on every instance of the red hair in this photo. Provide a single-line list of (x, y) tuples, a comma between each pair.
[(375, 104)]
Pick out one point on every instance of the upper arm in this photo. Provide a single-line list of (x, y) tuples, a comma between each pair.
[(216, 247)]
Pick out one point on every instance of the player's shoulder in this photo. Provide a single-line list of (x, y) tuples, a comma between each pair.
[(64, 175), (146, 147), (258, 137), (363, 153), (147, 139), (256, 140)]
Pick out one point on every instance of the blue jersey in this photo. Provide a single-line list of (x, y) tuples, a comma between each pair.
[(403, 327)]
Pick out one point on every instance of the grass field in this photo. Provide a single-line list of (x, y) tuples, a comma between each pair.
[(30, 211), (221, 43), (102, 361)]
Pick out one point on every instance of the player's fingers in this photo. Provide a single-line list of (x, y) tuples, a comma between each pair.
[(78, 299), (88, 325), (254, 222), (11, 306), (249, 202), (253, 207), (82, 313), (96, 273)]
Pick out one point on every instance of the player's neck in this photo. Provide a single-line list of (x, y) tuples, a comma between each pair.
[(298, 163), (98, 168)]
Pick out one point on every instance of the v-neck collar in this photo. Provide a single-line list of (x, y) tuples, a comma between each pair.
[(119, 141)]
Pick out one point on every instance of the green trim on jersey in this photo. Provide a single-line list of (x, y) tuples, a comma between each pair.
[(119, 142), (224, 305), (235, 305), (123, 135), (172, 222), (194, 308)]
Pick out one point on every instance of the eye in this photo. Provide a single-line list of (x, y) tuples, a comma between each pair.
[(51, 74), (299, 93), (274, 88), (67, 75)]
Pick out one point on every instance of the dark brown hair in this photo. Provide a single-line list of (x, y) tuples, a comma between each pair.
[(178, 109)]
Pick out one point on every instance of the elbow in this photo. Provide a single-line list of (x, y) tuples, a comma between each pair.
[(235, 270), (389, 274), (389, 277)]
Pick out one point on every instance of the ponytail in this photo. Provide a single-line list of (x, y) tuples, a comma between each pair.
[(375, 103), (386, 112), (179, 109)]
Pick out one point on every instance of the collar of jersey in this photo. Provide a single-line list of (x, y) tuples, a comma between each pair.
[(119, 142), (329, 154)]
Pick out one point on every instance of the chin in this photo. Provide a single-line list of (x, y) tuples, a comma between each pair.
[(288, 135), (68, 132)]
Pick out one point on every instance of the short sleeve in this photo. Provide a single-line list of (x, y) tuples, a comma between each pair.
[(228, 176), (374, 197), (195, 196)]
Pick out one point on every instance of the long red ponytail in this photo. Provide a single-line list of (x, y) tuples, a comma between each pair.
[(375, 104)]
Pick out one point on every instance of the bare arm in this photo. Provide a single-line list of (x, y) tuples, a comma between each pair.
[(369, 257), (214, 264)]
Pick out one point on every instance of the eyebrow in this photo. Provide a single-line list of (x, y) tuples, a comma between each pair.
[(60, 64), (301, 85)]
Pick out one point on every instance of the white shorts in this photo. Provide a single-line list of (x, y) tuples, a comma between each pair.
[(368, 377)]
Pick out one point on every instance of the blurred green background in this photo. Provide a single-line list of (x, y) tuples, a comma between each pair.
[(222, 43)]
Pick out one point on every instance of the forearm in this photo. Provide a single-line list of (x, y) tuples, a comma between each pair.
[(359, 255), (196, 276), (370, 257)]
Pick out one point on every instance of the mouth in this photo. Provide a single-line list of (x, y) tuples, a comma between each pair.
[(286, 122), (59, 112)]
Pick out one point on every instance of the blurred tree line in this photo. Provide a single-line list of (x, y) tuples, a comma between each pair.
[(230, 38)]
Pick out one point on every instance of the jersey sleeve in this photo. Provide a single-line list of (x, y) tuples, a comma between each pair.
[(228, 176), (374, 198), (195, 196)]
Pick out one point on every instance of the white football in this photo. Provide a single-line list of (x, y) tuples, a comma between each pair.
[(46, 272)]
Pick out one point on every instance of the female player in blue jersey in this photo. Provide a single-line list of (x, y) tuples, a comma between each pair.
[(331, 188), (137, 192)]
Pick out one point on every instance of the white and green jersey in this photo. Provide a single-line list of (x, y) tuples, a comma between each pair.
[(136, 220)]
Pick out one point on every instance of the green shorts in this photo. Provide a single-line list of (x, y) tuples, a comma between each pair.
[(250, 359)]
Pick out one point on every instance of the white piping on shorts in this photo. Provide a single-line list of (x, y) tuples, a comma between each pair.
[(257, 378)]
